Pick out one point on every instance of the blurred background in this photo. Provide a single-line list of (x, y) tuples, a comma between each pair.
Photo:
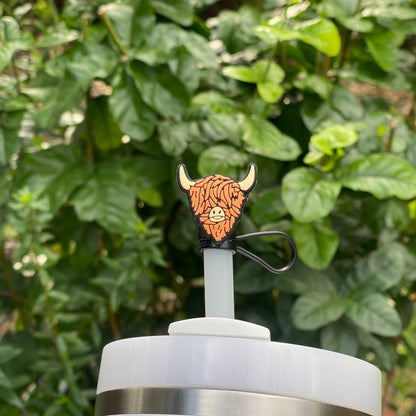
[(99, 103)]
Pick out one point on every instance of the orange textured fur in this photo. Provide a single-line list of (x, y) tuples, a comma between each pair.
[(216, 191)]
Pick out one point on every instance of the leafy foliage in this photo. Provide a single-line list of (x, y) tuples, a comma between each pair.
[(100, 101)]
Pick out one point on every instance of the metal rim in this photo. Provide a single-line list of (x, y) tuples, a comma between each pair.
[(205, 402)]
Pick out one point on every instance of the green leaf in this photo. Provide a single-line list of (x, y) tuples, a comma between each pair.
[(301, 279), (241, 73), (163, 41), (384, 47), (339, 337), (120, 15), (374, 313), (263, 71), (9, 28), (132, 115), (147, 172), (344, 13), (57, 36), (333, 137), (215, 102), (222, 159), (322, 34), (86, 62), (314, 83), (267, 70), (131, 21), (383, 175), (107, 197), (250, 279), (8, 353), (160, 89), (226, 125), (180, 11), (264, 139), (307, 195), (66, 95), (92, 60), (389, 10), (317, 243), (384, 349), (270, 34), (355, 24), (6, 55), (152, 197), (106, 132), (173, 137), (7, 395), (9, 144), (380, 270), (268, 206), (391, 214), (314, 111), (269, 91), (55, 173), (316, 309), (185, 67), (346, 104), (143, 21)]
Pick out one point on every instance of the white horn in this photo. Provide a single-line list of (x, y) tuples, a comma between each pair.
[(184, 180), (249, 182)]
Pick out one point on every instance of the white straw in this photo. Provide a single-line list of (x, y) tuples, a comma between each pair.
[(219, 285)]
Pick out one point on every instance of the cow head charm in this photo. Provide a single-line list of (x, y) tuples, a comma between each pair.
[(217, 201)]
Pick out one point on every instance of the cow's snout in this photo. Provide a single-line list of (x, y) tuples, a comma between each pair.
[(217, 214)]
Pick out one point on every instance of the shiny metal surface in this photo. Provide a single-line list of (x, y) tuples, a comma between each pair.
[(201, 402)]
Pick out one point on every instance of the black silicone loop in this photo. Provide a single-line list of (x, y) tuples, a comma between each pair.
[(257, 259)]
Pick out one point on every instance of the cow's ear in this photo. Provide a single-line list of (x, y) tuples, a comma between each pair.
[(184, 181), (250, 180)]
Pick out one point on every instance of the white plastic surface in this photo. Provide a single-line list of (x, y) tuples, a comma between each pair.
[(219, 327), (242, 364), (218, 283)]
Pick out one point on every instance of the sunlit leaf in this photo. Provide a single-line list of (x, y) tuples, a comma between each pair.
[(373, 312), (107, 197), (317, 243), (383, 175), (316, 309), (308, 195), (222, 159), (132, 115), (263, 138), (322, 34), (180, 11), (54, 173), (160, 89)]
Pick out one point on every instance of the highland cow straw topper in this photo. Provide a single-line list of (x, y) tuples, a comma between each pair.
[(217, 201)]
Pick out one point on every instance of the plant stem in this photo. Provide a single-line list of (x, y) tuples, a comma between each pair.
[(345, 47), (85, 20), (54, 11), (325, 65), (113, 321), (110, 27), (389, 143)]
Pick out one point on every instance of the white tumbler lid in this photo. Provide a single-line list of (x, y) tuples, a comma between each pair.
[(250, 365)]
